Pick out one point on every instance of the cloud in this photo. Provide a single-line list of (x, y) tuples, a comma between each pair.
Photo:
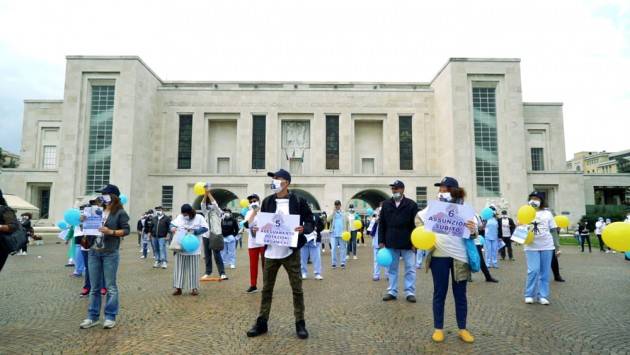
[(576, 52)]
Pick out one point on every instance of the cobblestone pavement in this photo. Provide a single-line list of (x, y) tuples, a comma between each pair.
[(40, 311)]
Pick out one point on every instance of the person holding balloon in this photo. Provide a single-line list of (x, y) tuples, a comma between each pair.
[(104, 257), (491, 236), (448, 257), (541, 249), (188, 228)]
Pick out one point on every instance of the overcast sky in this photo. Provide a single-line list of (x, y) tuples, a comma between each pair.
[(576, 52)]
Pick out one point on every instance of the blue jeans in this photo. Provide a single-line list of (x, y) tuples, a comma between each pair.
[(409, 258), (538, 271), (492, 249), (420, 255), (441, 268), (159, 249), (79, 262), (352, 243), (103, 266), (311, 249), (228, 254), (338, 245)]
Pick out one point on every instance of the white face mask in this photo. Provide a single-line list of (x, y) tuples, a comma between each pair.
[(534, 203), (254, 205), (397, 196), (107, 199), (276, 186), (445, 196), (186, 218)]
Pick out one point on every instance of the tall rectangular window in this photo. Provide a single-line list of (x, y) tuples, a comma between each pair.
[(44, 203), (486, 147), (184, 150), (167, 197), (49, 160), (332, 142), (100, 137), (406, 144), (421, 196), (538, 161), (259, 136)]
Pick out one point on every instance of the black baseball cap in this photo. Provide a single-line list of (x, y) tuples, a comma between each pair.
[(186, 208), (397, 184), (281, 174), (537, 194), (253, 196), (447, 182), (110, 189), (337, 203)]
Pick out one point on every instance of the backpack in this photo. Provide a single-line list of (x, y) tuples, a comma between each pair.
[(12, 242)]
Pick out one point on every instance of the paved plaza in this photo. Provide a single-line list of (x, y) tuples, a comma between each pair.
[(40, 311)]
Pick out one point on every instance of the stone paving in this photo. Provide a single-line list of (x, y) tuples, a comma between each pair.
[(40, 311)]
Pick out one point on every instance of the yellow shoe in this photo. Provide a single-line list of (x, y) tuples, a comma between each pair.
[(466, 336), (438, 336)]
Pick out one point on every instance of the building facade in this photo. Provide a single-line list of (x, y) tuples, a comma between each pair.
[(119, 122)]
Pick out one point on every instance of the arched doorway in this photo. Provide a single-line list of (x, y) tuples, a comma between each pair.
[(365, 199), (225, 199), (310, 199)]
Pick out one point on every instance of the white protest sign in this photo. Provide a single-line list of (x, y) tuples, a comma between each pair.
[(448, 218), (277, 229), (520, 234), (93, 220)]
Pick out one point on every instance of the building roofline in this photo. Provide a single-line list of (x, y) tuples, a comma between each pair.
[(114, 57), (36, 101), (467, 59)]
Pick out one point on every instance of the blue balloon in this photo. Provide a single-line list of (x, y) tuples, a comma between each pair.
[(370, 212), (241, 224), (72, 216), (244, 211), (123, 199), (62, 225), (627, 255), (487, 213), (384, 257), (481, 239), (189, 243)]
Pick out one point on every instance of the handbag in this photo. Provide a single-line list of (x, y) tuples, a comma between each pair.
[(474, 261), (175, 245)]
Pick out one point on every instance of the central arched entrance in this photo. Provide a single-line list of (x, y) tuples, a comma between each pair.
[(365, 199), (225, 199), (310, 199)]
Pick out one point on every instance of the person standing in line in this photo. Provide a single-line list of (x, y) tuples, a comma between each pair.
[(482, 259), (599, 228), (373, 232), (256, 251), (506, 229), (491, 236), (229, 228), (186, 270), (608, 221), (352, 244), (338, 224), (585, 235), (212, 244), (324, 218), (26, 224), (104, 258), (161, 229), (539, 252), (284, 202), (311, 249), (397, 221)]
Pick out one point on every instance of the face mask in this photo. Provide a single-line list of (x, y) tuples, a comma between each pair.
[(397, 196), (534, 203), (276, 186), (351, 210), (444, 196), (254, 205), (159, 213), (107, 199)]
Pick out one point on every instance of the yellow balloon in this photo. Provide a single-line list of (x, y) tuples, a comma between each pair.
[(357, 224), (359, 235), (530, 238), (422, 239), (345, 236), (526, 214), (244, 203), (199, 188), (617, 236), (562, 221)]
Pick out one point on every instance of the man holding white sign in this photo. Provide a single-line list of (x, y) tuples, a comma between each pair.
[(281, 225)]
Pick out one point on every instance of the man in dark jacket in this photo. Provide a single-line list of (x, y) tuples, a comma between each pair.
[(284, 202), (506, 229), (161, 227), (397, 221)]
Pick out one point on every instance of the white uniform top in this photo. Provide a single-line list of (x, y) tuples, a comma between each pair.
[(447, 245), (543, 240), (251, 240), (599, 227), (276, 251), (182, 224)]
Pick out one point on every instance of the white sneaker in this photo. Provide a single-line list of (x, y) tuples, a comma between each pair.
[(164, 265), (204, 277), (614, 252), (142, 257), (88, 323), (24, 253), (156, 264), (318, 277), (354, 257), (109, 324), (529, 300), (304, 277), (224, 277), (607, 251), (232, 266), (544, 301)]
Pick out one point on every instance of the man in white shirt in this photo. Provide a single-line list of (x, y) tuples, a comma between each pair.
[(282, 201)]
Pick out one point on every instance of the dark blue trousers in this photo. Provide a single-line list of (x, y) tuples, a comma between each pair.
[(441, 268)]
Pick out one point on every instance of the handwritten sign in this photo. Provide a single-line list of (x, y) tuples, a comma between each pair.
[(448, 218), (277, 229)]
